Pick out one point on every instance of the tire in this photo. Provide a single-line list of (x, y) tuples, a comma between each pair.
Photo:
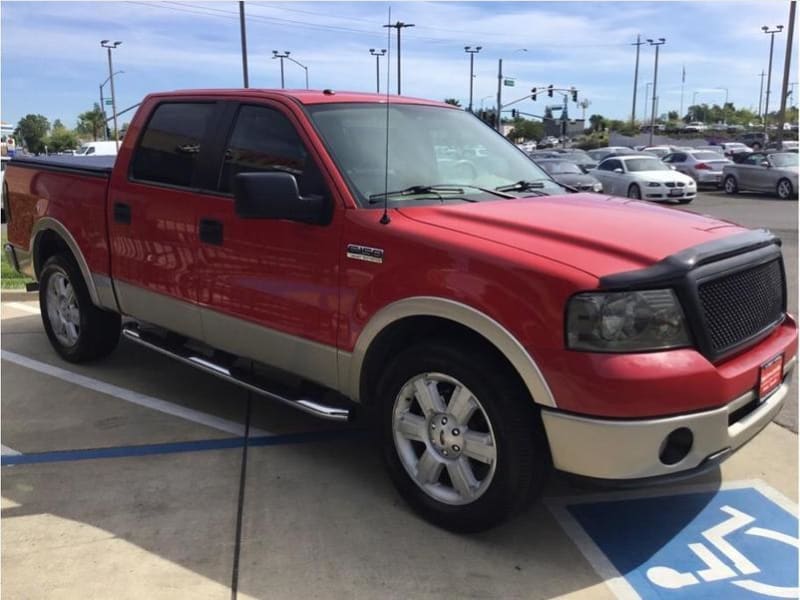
[(784, 189), (503, 428), (77, 329), (634, 191), (730, 185)]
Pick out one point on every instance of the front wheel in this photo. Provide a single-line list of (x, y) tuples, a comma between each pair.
[(730, 185), (785, 190), (462, 440), (77, 329), (635, 192)]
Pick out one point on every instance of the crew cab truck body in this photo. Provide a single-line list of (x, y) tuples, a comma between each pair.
[(494, 330)]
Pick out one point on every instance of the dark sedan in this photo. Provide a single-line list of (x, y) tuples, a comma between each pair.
[(569, 174)]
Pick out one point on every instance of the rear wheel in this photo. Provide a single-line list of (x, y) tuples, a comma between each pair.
[(634, 192), (77, 329), (730, 185), (785, 190), (462, 440)]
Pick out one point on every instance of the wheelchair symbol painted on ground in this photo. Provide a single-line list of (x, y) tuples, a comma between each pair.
[(743, 573)]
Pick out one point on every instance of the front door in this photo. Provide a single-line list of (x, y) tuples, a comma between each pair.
[(270, 288)]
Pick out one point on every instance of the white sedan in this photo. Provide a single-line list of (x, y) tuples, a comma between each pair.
[(644, 177)]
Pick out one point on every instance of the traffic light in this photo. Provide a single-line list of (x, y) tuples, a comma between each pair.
[(550, 91), (533, 94), (514, 113), (574, 93)]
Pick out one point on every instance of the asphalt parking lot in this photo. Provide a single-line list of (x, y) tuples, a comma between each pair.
[(125, 479)]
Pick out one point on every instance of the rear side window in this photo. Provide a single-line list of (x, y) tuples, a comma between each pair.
[(263, 139), (170, 146)]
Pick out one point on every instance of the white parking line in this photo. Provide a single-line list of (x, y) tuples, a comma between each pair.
[(137, 398), (6, 451), (28, 308)]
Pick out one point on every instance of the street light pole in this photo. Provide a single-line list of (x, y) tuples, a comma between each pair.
[(647, 87), (399, 26), (472, 52), (761, 93), (243, 36), (657, 44), (281, 55), (771, 32), (103, 105), (377, 54), (112, 46), (638, 43), (299, 64), (786, 66)]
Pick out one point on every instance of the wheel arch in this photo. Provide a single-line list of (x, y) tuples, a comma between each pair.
[(406, 321)]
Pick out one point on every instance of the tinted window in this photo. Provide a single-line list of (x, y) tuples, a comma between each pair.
[(754, 159), (678, 157), (263, 139), (610, 165), (170, 146)]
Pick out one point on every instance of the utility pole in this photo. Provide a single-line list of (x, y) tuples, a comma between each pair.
[(377, 54), (657, 44), (281, 55), (112, 46), (638, 43), (761, 93), (103, 110), (499, 94), (786, 64), (243, 35), (472, 52), (771, 33), (399, 25), (683, 82)]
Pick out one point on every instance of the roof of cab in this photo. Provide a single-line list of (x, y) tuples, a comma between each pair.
[(305, 96)]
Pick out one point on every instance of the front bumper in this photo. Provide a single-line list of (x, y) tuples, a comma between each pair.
[(616, 449)]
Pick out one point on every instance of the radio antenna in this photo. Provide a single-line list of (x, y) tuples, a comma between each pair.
[(385, 220)]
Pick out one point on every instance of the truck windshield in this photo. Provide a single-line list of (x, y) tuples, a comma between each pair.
[(428, 146)]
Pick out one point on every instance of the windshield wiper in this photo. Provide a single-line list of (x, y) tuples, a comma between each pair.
[(416, 190), (522, 185)]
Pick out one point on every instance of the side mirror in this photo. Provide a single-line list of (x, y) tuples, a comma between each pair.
[(618, 170), (765, 163), (673, 167), (274, 195)]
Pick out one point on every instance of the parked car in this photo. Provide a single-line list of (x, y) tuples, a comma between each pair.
[(528, 146), (659, 151), (701, 165), (490, 332), (783, 146), (97, 149), (695, 126), (599, 154), (580, 158), (568, 173), (755, 139), (774, 173), (644, 177)]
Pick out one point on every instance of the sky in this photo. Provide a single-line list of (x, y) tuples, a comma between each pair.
[(52, 62)]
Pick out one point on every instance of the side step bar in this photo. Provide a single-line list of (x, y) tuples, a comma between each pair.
[(186, 356)]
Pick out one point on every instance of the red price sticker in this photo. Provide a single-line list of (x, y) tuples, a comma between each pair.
[(770, 377)]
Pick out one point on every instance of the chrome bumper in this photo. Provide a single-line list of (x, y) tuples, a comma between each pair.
[(630, 450)]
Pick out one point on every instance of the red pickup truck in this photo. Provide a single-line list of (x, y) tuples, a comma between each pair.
[(495, 325)]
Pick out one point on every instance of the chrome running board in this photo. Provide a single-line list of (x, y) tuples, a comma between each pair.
[(187, 356)]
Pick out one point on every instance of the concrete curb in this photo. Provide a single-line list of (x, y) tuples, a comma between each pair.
[(17, 296)]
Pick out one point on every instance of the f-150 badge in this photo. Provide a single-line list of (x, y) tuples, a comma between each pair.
[(366, 253)]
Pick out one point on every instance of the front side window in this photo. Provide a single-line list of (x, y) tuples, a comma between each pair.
[(610, 165), (476, 156), (263, 139), (754, 159), (169, 148)]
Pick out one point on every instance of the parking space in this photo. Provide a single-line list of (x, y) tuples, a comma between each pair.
[(129, 484)]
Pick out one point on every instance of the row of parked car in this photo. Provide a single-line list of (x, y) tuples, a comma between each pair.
[(673, 172)]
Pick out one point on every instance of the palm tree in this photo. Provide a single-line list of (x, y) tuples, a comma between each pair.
[(92, 121)]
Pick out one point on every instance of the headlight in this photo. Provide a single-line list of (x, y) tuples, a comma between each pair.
[(653, 184), (626, 321), (598, 187)]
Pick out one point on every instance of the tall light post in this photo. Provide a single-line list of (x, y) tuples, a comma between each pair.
[(472, 52), (377, 54), (103, 105), (771, 33), (658, 44), (281, 55), (638, 43), (761, 93), (787, 61), (647, 87), (399, 25), (112, 46), (299, 64)]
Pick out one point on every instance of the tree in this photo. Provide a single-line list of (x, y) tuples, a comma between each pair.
[(57, 124), (92, 122), (673, 115), (526, 129), (33, 130), (62, 139), (452, 101), (598, 122)]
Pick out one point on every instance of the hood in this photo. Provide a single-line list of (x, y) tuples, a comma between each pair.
[(599, 235)]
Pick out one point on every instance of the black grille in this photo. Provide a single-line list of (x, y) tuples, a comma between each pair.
[(739, 306)]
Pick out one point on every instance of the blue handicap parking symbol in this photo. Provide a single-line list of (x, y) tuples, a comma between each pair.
[(728, 543)]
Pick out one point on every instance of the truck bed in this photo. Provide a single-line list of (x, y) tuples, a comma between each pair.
[(98, 166)]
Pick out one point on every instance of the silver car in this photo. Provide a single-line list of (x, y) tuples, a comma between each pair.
[(701, 165), (762, 172)]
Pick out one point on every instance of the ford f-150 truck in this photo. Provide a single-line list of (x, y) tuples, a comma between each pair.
[(334, 250)]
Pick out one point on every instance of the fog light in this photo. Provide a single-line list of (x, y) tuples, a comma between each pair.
[(676, 446)]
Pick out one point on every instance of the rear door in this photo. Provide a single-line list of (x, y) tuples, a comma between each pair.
[(152, 215), (269, 289)]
